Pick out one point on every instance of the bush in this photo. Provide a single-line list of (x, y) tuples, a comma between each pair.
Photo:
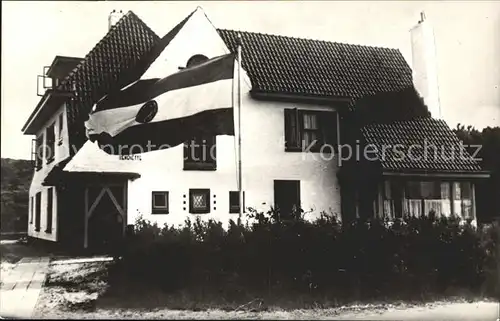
[(415, 258)]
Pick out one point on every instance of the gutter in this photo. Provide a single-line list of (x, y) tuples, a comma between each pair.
[(294, 98), (50, 94), (41, 103), (458, 174)]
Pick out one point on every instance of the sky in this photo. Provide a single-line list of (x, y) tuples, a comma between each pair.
[(467, 35)]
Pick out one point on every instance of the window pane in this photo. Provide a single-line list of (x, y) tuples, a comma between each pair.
[(387, 190), (430, 190), (310, 121), (457, 191), (413, 190), (466, 190), (160, 200), (445, 191), (309, 137), (199, 201)]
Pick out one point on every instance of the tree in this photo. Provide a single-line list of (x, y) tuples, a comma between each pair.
[(486, 145)]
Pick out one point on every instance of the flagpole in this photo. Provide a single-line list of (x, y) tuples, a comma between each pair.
[(240, 176)]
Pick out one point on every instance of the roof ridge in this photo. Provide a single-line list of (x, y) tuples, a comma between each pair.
[(309, 39)]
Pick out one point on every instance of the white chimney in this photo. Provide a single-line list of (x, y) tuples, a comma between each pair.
[(424, 65), (113, 18)]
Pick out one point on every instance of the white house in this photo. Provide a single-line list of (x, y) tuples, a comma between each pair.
[(293, 90)]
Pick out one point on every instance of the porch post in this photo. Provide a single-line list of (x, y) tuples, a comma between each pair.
[(452, 198), (473, 190), (86, 227)]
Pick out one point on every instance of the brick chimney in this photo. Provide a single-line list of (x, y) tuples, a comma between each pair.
[(113, 18), (424, 64)]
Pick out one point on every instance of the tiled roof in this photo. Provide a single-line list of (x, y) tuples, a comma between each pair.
[(398, 137), (286, 65), (114, 62)]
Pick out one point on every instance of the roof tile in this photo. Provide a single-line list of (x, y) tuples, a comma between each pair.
[(420, 144), (278, 64)]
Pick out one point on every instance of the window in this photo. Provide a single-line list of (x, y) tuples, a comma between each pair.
[(199, 201), (425, 190), (61, 127), (310, 130), (50, 146), (462, 195), (38, 203), (196, 60), (234, 202), (159, 203), (39, 152), (200, 153), (50, 195)]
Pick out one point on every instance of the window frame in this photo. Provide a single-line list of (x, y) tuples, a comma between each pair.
[(192, 192), (235, 209), (155, 209), (294, 128)]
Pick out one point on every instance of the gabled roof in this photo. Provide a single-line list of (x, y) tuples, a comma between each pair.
[(295, 66), (405, 144), (108, 65), (115, 61)]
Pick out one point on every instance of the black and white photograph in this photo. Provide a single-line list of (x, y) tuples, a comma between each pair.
[(272, 160)]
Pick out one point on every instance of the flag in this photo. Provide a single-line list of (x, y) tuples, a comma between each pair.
[(152, 114)]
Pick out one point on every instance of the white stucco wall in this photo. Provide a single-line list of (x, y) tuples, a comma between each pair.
[(61, 153), (263, 152)]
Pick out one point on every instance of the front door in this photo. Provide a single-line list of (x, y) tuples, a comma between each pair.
[(106, 216), (286, 197)]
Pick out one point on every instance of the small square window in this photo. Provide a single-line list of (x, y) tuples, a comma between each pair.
[(199, 201), (159, 202), (234, 202)]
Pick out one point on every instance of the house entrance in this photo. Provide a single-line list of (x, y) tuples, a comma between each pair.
[(286, 196), (105, 216)]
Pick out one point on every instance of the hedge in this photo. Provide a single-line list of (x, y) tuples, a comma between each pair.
[(361, 260)]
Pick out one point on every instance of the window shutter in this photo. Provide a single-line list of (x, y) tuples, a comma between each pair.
[(328, 121), (291, 129)]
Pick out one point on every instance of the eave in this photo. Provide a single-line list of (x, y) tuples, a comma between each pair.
[(437, 174), (306, 99), (46, 107)]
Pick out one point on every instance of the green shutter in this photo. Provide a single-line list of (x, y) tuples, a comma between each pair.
[(328, 123)]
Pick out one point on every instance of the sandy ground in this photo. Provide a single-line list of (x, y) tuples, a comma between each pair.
[(487, 311), (60, 301)]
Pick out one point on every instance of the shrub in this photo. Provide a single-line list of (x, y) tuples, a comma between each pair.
[(360, 260)]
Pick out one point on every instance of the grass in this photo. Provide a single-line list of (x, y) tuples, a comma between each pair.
[(85, 290)]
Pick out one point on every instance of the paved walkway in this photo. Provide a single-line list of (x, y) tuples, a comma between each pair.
[(21, 286)]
